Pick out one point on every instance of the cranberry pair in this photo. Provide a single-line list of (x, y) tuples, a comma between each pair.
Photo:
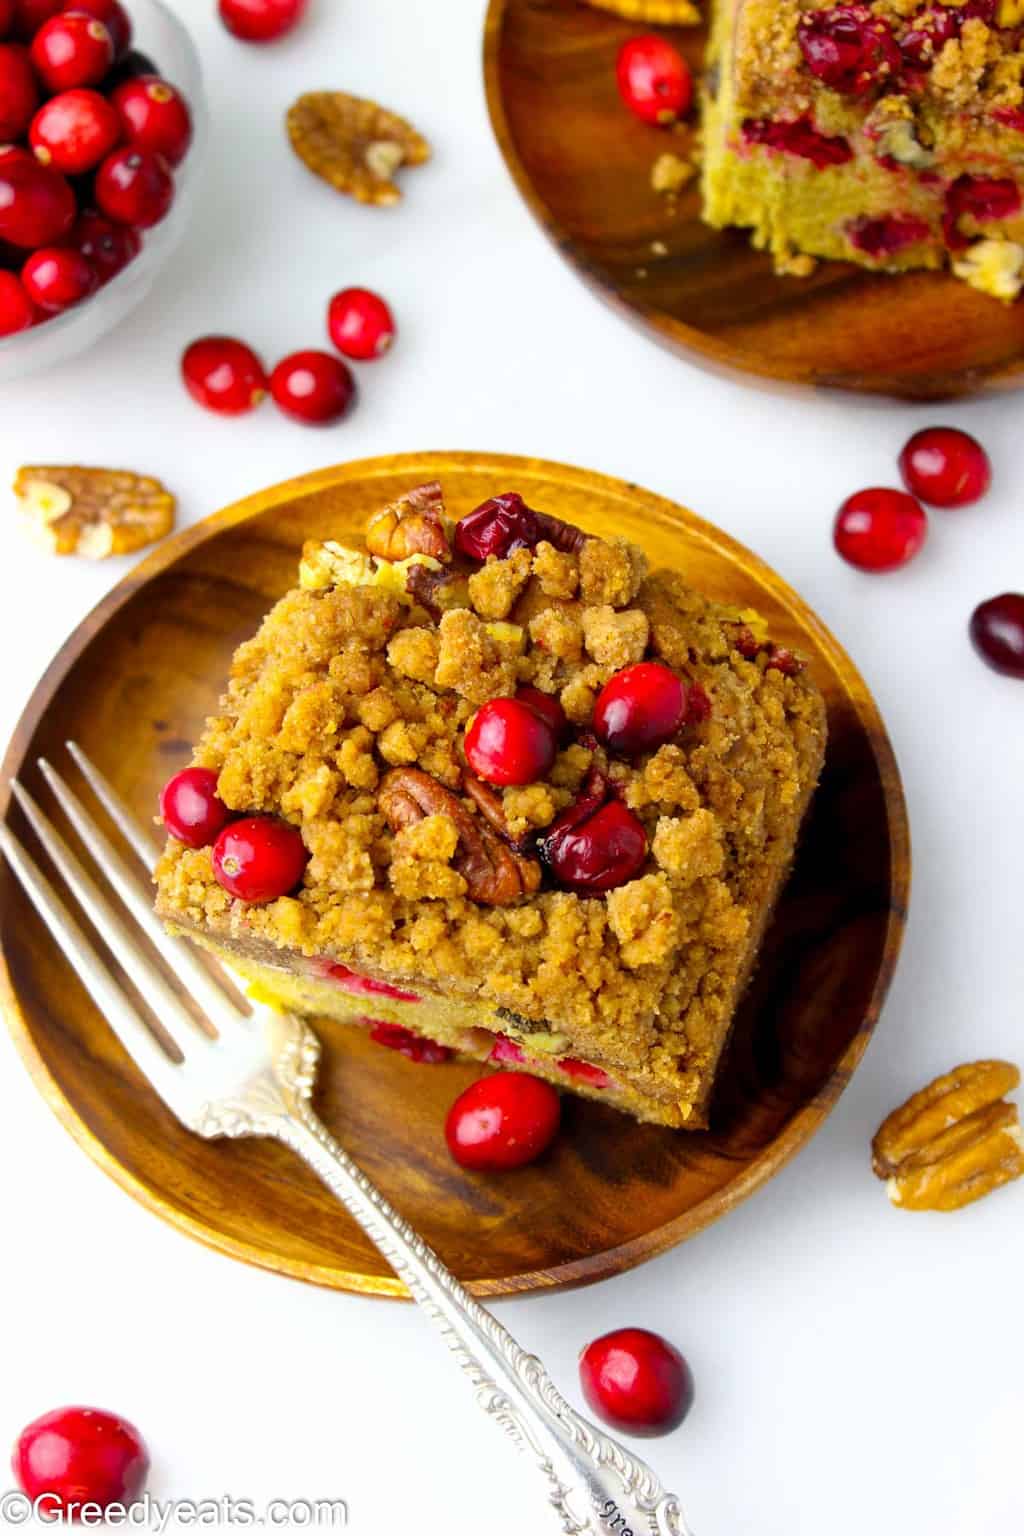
[(255, 858)]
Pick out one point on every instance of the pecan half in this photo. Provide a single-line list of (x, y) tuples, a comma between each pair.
[(436, 591), (494, 875), (491, 807), (412, 525), (354, 144), (74, 510), (564, 536), (954, 1142)]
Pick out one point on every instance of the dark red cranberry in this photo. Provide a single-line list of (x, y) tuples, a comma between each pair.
[(848, 48), (415, 1047), (113, 16), (57, 277), (503, 1121), (224, 375), (130, 67), (259, 858), (654, 79), (134, 187), (17, 311), (29, 16), (1010, 117), (997, 632), (985, 199), (640, 708), (106, 246), (74, 131), (498, 527), (510, 743), (545, 705), (583, 1072), (37, 206), (798, 137), (155, 116), (313, 387), (7, 13), (636, 1381), (77, 1456), (921, 45), (366, 986), (880, 529), (19, 94), (594, 845), (72, 49), (945, 467), (191, 809), (505, 1050), (360, 324), (698, 705), (886, 235), (261, 21)]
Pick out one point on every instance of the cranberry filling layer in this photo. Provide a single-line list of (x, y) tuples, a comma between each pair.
[(886, 235), (800, 138), (365, 986), (584, 1072), (982, 198), (414, 1047), (505, 1050)]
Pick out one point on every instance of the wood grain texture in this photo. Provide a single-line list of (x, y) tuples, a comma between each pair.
[(133, 686), (583, 164)]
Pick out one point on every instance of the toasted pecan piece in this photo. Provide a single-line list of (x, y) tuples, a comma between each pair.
[(494, 875), (74, 510), (354, 144), (492, 808), (412, 525), (659, 13), (954, 1142)]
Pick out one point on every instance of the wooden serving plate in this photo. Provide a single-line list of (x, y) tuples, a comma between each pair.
[(133, 685), (583, 164)]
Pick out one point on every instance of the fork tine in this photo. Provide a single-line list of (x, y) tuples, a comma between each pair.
[(114, 931), (175, 952), (134, 833), (133, 1034)]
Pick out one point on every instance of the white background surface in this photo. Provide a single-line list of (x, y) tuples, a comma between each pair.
[(858, 1369)]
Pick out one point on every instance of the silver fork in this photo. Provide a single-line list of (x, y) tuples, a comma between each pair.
[(252, 1074)]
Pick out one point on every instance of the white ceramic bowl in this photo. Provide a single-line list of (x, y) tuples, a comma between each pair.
[(160, 34)]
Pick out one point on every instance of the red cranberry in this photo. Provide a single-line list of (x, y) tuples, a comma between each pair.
[(19, 94), (798, 137), (131, 66), (584, 1072), (134, 187), (154, 116), (415, 1047), (74, 131), (224, 375), (259, 858), (925, 40), (945, 467), (880, 529), (505, 1050), (366, 986), (1010, 117), (72, 49), (593, 846), (886, 235), (997, 631), (37, 206), (636, 1381), (498, 527), (113, 16), (985, 199), (640, 708), (510, 743), (76, 1456), (360, 324), (848, 48), (29, 16), (191, 809), (7, 12), (698, 705), (261, 21), (57, 277), (16, 308), (107, 247), (313, 387), (654, 79), (503, 1121), (545, 705)]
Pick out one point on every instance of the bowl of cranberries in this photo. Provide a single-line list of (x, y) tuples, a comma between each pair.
[(101, 126)]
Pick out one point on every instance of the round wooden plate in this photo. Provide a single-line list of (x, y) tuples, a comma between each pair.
[(583, 164), (133, 685)]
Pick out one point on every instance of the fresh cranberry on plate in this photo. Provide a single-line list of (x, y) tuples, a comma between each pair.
[(313, 387), (155, 116), (259, 858), (72, 49), (56, 277), (191, 809), (77, 1456), (106, 246), (74, 131), (17, 312), (113, 16), (503, 1121), (224, 375), (360, 324), (509, 742), (879, 529), (654, 79), (37, 205), (261, 21), (19, 93), (636, 1381), (945, 467), (997, 633), (640, 708), (134, 187)]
